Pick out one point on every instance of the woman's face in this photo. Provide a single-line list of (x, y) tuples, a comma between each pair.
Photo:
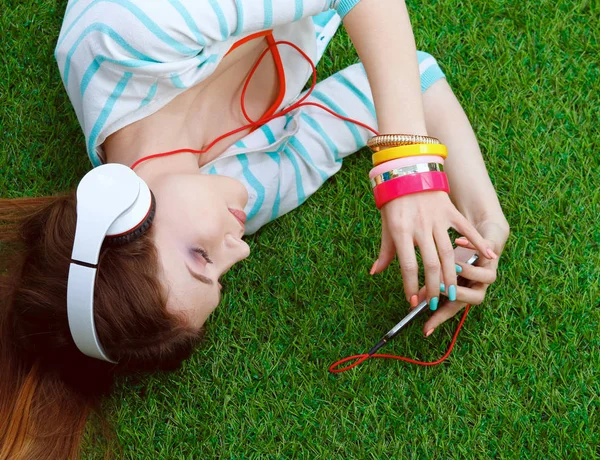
[(198, 238)]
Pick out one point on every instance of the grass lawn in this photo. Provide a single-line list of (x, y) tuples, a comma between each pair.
[(523, 381)]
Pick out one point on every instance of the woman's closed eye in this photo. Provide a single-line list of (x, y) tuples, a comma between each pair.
[(203, 254), (202, 257)]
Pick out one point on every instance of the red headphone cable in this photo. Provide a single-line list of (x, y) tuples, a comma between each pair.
[(363, 357), (263, 120)]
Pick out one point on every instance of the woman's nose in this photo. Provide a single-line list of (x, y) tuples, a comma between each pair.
[(232, 241)]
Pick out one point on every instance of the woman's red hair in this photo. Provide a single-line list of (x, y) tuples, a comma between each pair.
[(48, 388)]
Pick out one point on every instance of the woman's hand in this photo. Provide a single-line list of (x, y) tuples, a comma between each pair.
[(423, 220), (479, 277)]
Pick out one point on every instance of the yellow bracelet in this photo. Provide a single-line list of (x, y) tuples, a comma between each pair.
[(409, 151), (395, 140)]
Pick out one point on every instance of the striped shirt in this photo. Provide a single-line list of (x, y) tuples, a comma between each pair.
[(122, 60)]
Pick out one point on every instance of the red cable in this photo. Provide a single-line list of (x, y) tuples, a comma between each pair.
[(262, 121), (362, 358)]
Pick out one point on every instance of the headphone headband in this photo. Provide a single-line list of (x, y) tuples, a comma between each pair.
[(111, 200)]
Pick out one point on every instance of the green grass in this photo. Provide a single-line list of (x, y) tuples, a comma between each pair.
[(523, 381)]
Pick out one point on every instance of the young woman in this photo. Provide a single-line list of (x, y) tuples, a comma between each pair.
[(147, 78)]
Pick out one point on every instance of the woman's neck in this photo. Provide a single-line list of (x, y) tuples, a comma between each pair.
[(154, 169)]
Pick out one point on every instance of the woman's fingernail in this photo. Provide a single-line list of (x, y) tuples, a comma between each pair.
[(374, 267), (491, 254), (458, 268), (433, 303), (442, 287), (452, 293), (414, 300), (429, 332), (462, 240)]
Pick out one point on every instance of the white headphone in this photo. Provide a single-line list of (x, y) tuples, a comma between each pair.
[(115, 204)]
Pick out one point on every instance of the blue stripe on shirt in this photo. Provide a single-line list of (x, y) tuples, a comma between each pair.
[(185, 14), (299, 10), (97, 62), (150, 95), (221, 17), (103, 116), (430, 76), (143, 18), (176, 81), (367, 102), (268, 133), (275, 156), (360, 142), (299, 186), (70, 7), (422, 55), (344, 6), (317, 127), (322, 19), (268, 5), (106, 30), (254, 183), (299, 147), (240, 15)]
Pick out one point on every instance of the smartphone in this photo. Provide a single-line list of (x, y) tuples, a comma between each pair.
[(472, 261)]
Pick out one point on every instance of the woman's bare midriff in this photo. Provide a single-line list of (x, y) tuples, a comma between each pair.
[(204, 112)]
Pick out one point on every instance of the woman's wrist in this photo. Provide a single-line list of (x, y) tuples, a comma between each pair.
[(475, 199), (482, 215), (495, 229)]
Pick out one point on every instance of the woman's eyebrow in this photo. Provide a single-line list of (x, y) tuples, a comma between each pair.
[(199, 276)]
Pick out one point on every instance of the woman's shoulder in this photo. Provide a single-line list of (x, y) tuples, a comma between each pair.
[(146, 31)]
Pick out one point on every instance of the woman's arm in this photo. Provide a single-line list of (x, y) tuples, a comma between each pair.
[(383, 37), (472, 191)]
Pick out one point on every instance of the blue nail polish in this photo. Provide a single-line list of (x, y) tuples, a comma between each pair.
[(458, 268), (452, 293), (433, 303), (442, 287)]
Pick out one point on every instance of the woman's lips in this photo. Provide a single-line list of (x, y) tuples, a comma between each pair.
[(239, 215)]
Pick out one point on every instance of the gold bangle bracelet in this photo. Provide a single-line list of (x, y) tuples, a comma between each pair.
[(395, 140), (409, 151)]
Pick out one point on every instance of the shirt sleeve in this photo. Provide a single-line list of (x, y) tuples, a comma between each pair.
[(343, 7), (218, 20)]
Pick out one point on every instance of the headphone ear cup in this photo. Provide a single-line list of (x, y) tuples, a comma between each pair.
[(138, 231)]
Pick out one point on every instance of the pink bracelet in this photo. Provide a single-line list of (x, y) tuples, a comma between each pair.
[(406, 185), (402, 163)]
